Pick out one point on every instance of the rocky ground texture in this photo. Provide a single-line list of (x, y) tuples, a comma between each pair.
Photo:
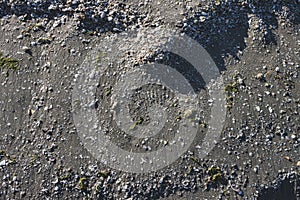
[(255, 45)]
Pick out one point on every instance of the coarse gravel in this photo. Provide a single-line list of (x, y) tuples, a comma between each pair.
[(255, 45)]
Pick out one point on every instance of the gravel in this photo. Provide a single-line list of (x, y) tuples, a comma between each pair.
[(255, 45)]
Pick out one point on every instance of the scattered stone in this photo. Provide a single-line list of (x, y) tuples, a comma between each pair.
[(47, 140), (20, 37), (3, 163), (26, 49), (259, 76), (257, 108)]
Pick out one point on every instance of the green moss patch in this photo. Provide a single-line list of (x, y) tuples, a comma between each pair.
[(215, 174), (231, 89), (139, 121), (8, 63)]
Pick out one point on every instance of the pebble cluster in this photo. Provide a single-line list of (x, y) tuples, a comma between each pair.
[(99, 16), (254, 43)]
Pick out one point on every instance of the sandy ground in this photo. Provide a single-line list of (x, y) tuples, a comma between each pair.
[(256, 49)]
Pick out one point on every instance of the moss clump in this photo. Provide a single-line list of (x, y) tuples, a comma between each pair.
[(103, 173), (44, 40), (11, 159), (91, 33), (195, 160), (139, 121), (215, 174), (65, 177), (107, 91), (231, 89), (82, 183), (213, 170), (8, 63), (33, 158), (216, 177)]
